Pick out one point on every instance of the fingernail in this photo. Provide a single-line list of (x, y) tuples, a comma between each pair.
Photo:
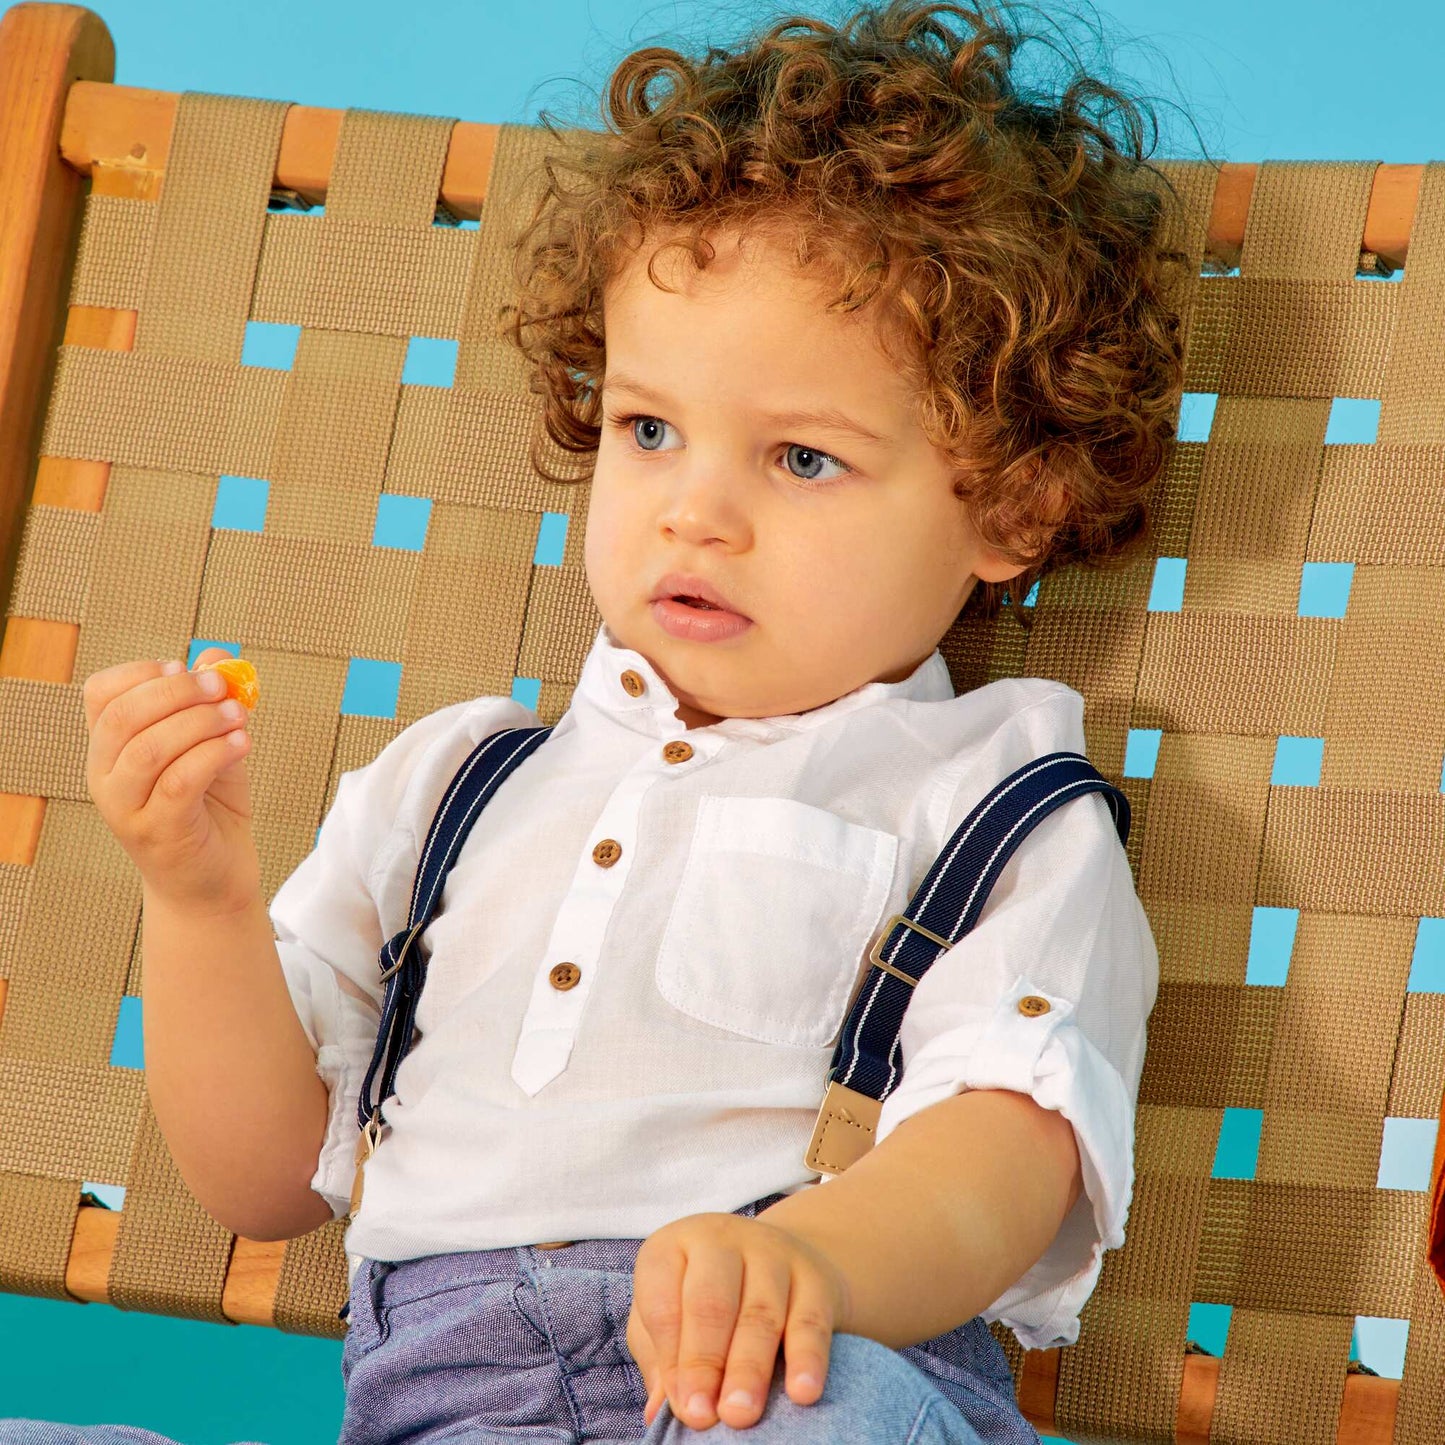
[(805, 1381), (739, 1398), (170, 669), (699, 1404)]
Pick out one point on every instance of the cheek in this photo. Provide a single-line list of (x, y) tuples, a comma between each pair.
[(601, 526)]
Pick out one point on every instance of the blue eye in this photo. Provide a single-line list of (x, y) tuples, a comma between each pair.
[(814, 456), (656, 423), (652, 427)]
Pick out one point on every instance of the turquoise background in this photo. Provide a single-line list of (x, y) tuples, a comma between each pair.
[(1300, 79)]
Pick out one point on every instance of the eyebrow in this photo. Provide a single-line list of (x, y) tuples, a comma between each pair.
[(827, 417)]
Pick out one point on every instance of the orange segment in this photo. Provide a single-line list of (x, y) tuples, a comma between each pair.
[(240, 678)]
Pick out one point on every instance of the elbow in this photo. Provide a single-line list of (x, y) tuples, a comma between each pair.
[(303, 1215)]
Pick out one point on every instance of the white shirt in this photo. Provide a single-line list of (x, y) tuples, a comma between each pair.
[(684, 1070)]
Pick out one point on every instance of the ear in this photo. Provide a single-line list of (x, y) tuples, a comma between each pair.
[(990, 566)]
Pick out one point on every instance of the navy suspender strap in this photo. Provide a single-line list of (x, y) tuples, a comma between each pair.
[(403, 969), (945, 906)]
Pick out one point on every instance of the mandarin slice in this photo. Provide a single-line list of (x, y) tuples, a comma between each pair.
[(240, 678)]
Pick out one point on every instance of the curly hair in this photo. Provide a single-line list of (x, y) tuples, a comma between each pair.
[(1018, 250)]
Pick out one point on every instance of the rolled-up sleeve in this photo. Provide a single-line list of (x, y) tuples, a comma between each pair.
[(1064, 924), (328, 936)]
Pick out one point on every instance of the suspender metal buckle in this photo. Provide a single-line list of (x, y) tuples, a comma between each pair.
[(401, 957), (883, 938)]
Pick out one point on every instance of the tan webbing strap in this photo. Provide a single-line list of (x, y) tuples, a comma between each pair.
[(71, 964), (1299, 1249), (116, 237), (486, 361), (556, 619), (201, 270), (1193, 183), (1415, 375), (195, 300), (1405, 686), (1306, 219)]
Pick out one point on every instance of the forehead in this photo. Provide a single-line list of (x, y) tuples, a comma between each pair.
[(733, 264), (751, 307)]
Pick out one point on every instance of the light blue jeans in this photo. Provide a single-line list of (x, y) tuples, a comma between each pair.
[(530, 1345)]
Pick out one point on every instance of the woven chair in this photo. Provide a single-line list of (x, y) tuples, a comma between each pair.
[(141, 232)]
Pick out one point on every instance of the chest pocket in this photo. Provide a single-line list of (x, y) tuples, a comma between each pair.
[(777, 903)]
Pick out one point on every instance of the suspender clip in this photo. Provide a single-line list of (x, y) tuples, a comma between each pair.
[(844, 1129), (366, 1143)]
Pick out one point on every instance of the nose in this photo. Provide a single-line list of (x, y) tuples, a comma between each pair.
[(701, 504)]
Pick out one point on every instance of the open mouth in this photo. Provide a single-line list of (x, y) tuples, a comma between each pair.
[(697, 602)]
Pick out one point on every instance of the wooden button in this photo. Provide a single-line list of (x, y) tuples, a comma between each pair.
[(607, 852), (1033, 1006), (677, 752), (564, 976), (633, 683)]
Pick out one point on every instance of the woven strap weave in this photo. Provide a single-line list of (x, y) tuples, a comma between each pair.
[(1300, 1249)]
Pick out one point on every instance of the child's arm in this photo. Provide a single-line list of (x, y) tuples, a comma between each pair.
[(945, 1213), (230, 1074), (933, 1224)]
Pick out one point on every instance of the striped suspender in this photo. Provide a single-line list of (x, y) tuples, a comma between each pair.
[(403, 969), (866, 1063)]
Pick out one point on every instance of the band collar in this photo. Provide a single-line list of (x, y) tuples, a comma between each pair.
[(623, 684)]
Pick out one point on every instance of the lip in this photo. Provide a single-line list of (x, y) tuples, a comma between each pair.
[(693, 624), (684, 584)]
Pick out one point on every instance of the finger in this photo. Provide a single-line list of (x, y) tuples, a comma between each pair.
[(655, 1397), (711, 1289), (761, 1313), (145, 732), (209, 655), (807, 1337), (100, 688), (657, 1302), (645, 1358)]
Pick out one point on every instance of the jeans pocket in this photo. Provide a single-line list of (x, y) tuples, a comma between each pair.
[(366, 1324), (528, 1308)]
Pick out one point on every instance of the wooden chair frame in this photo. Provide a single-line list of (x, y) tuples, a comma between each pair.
[(66, 129)]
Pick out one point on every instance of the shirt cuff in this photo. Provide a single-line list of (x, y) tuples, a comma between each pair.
[(343, 1073), (1044, 1054), (342, 1027)]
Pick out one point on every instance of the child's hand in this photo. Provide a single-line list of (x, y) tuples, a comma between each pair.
[(711, 1296), (171, 785)]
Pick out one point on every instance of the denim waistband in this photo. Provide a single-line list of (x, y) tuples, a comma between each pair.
[(409, 1279)]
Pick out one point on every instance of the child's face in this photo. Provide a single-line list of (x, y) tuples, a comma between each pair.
[(845, 581)]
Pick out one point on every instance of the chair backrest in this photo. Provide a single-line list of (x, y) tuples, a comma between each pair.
[(343, 521)]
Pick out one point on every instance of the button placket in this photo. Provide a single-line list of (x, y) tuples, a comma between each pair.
[(568, 969)]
